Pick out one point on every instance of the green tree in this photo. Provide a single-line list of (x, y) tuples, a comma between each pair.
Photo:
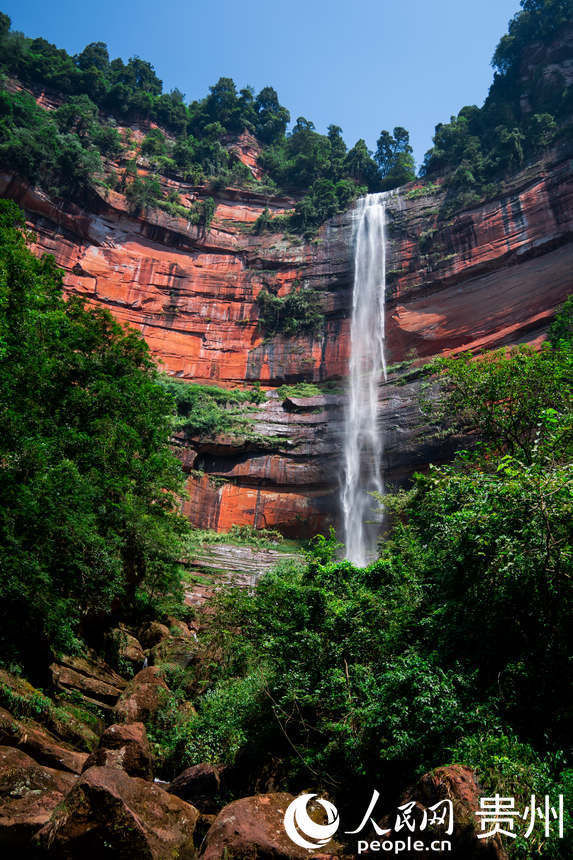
[(360, 165), (94, 56), (503, 395), (272, 117), (88, 484), (394, 157)]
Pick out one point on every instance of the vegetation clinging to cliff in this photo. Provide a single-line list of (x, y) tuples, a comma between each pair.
[(301, 161), (205, 410), (524, 113), (295, 313)]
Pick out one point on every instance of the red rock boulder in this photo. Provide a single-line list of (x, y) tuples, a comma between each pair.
[(153, 633), (35, 740), (458, 784), (201, 786), (125, 747), (108, 813), (142, 696), (28, 795), (253, 827), (89, 676)]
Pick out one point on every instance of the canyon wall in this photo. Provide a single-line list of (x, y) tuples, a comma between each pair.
[(489, 276)]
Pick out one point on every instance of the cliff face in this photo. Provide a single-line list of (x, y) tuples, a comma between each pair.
[(488, 277)]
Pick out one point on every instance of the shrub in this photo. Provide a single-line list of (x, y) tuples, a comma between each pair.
[(296, 313)]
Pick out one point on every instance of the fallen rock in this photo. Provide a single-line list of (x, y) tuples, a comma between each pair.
[(252, 827), (60, 719), (178, 627), (141, 698), (91, 677), (458, 784), (108, 813), (126, 747), (201, 786), (39, 743), (127, 649), (152, 633), (28, 795), (178, 650)]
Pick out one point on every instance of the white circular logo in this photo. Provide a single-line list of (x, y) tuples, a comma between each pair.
[(298, 823)]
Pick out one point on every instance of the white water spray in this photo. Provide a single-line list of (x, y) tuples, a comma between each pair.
[(362, 441)]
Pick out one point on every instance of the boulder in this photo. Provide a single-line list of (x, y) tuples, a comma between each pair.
[(458, 784), (127, 649), (28, 795), (39, 743), (152, 633), (178, 627), (252, 827), (91, 677), (179, 650), (124, 746), (201, 786), (108, 813), (142, 696), (62, 720)]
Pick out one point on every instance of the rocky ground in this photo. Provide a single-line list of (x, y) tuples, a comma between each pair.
[(78, 770), (229, 563)]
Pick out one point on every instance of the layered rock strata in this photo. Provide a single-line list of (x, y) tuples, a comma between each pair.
[(487, 277)]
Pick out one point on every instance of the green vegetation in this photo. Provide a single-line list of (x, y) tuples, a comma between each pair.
[(394, 157), (295, 313), (27, 703), (240, 535), (42, 149), (453, 645), (318, 168), (523, 114), (204, 410), (425, 190), (88, 485), (309, 389)]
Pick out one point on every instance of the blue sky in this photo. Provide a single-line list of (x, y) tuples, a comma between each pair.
[(364, 65)]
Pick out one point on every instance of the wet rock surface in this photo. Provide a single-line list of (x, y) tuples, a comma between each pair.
[(224, 563), (485, 277)]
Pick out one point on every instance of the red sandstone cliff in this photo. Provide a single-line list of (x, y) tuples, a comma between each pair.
[(490, 276)]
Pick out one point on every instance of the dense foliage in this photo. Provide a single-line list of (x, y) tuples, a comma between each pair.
[(88, 484), (527, 108), (58, 152), (296, 312), (204, 410), (525, 112), (455, 643), (98, 92)]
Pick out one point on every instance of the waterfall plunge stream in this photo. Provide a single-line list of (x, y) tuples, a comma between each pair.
[(362, 440)]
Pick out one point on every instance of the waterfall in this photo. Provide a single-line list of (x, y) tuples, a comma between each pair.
[(362, 441)]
